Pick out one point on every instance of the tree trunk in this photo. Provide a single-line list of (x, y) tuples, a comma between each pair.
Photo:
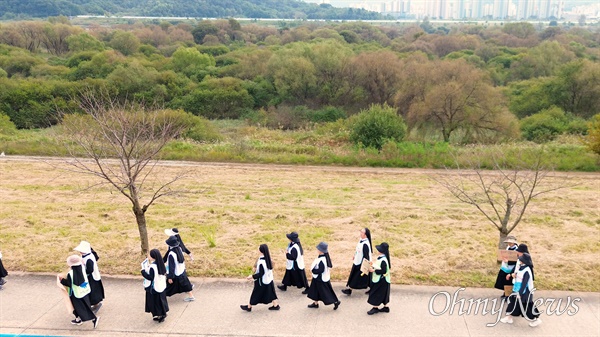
[(446, 135), (140, 218), (501, 244)]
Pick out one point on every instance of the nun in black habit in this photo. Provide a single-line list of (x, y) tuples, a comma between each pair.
[(3, 273), (264, 287), (177, 280), (358, 280), (175, 232), (89, 261), (295, 275), (155, 284), (521, 302), (78, 289), (380, 280), (320, 287)]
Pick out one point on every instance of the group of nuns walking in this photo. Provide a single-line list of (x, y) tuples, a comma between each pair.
[(165, 276), (320, 289)]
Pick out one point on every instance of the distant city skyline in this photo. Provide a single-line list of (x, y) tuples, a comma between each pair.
[(476, 9)]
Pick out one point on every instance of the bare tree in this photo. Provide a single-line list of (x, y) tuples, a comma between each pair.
[(502, 195), (120, 144)]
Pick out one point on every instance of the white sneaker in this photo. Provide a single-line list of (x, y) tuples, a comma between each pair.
[(535, 323), (189, 299), (507, 319)]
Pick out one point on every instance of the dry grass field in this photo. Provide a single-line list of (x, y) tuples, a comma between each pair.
[(230, 209)]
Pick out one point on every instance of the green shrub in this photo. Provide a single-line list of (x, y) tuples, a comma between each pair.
[(213, 50), (375, 126), (194, 127), (3, 73), (327, 114), (255, 117), (6, 126), (593, 134), (202, 130), (577, 126), (544, 126)]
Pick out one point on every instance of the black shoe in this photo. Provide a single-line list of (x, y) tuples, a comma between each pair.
[(373, 311), (347, 291), (282, 287), (368, 292), (161, 319), (76, 321), (336, 305), (2, 281), (305, 291), (246, 308), (155, 318), (95, 321), (313, 305), (385, 309), (275, 307)]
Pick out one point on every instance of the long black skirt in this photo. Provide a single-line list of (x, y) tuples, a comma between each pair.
[(181, 284), (156, 303), (295, 277), (3, 272), (82, 308), (97, 294), (379, 293), (355, 280), (501, 280), (321, 291), (262, 293), (516, 306)]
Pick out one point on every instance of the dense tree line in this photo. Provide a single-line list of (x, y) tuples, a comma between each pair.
[(282, 9), (467, 84)]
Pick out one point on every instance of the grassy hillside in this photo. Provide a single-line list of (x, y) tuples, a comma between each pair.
[(183, 8)]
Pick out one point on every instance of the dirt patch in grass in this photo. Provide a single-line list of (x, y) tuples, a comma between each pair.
[(232, 208)]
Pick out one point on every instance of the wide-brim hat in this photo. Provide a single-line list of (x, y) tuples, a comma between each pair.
[(522, 248), (511, 239), (172, 241), (383, 247), (171, 231), (323, 247), (74, 260), (526, 259), (293, 236), (83, 247)]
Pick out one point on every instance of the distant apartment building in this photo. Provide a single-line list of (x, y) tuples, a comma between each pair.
[(466, 9)]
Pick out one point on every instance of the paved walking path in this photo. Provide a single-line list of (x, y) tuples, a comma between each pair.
[(30, 304)]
